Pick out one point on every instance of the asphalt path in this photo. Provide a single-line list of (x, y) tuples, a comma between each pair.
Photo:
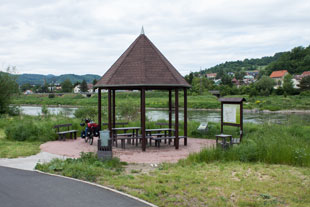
[(20, 188)]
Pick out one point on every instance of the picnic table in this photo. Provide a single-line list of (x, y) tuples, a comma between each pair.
[(126, 135)]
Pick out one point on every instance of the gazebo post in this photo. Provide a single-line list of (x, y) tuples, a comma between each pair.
[(113, 108), (176, 122), (170, 111), (99, 108), (185, 116), (109, 113), (142, 112)]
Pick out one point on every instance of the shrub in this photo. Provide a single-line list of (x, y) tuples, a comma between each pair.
[(51, 95), (86, 112)]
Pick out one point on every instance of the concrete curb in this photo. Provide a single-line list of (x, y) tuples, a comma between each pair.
[(100, 186)]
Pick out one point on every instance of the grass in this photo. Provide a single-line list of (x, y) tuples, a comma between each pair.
[(13, 149), (159, 99), (196, 184)]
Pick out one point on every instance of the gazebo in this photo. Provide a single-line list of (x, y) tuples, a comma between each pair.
[(143, 67)]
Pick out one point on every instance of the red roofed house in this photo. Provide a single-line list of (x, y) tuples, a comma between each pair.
[(211, 76), (278, 76), (306, 73)]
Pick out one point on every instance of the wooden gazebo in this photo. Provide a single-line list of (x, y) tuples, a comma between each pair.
[(143, 67)]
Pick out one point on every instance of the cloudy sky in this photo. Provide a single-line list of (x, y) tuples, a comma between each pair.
[(72, 36)]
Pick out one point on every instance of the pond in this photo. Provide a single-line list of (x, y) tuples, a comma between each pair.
[(201, 115)]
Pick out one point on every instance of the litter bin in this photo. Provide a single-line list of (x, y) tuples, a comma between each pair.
[(104, 145)]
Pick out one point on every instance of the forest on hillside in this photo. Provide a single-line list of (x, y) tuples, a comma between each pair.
[(295, 61)]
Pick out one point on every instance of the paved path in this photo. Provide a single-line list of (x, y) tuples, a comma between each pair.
[(33, 189), (28, 163)]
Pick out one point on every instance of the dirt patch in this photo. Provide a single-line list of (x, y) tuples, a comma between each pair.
[(132, 154)]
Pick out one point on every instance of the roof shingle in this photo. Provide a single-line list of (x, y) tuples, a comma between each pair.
[(142, 64)]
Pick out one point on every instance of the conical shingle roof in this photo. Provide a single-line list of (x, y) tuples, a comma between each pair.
[(142, 65)]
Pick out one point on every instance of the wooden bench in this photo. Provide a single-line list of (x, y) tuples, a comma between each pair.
[(158, 140), (62, 134)]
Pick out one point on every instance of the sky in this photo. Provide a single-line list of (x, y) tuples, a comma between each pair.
[(87, 37)]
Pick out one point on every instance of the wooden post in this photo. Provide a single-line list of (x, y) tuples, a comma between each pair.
[(221, 117), (241, 120), (142, 112), (176, 122), (170, 111), (109, 113), (99, 108), (185, 116), (113, 108)]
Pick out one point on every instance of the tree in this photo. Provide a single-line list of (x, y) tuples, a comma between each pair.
[(288, 85), (25, 87), (265, 85), (8, 87), (95, 81), (239, 75), (189, 78), (305, 83), (226, 80), (83, 86), (67, 86)]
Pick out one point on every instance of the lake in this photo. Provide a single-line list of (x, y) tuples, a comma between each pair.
[(201, 115)]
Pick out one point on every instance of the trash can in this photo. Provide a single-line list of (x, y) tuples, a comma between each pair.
[(104, 145)]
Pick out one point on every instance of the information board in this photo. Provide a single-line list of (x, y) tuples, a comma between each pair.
[(231, 113)]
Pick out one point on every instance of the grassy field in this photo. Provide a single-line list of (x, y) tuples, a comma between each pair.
[(160, 100), (13, 149), (196, 184), (271, 167)]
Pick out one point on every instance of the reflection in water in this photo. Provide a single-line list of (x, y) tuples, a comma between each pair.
[(201, 116)]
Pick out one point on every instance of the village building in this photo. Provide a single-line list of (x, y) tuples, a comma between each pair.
[(211, 76), (278, 76)]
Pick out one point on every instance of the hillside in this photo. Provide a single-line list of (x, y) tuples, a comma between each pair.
[(295, 61), (38, 79), (247, 64)]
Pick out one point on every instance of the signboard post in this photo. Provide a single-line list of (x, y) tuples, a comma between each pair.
[(232, 113)]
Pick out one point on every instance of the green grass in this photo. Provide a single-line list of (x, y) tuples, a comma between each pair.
[(269, 143), (196, 184), (13, 149), (159, 99)]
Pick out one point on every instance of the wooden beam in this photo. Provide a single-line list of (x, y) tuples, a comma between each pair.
[(113, 108), (142, 112), (176, 122), (170, 111), (99, 108), (185, 116)]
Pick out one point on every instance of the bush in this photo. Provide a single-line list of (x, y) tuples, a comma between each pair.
[(305, 93), (87, 167), (51, 95), (86, 112)]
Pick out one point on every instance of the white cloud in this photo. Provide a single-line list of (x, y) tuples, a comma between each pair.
[(88, 36)]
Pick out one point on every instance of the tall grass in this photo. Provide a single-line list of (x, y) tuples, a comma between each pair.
[(275, 144), (39, 128)]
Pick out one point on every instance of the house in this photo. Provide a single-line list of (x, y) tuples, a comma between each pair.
[(27, 92), (278, 76), (253, 73), (235, 82), (211, 76), (248, 79), (89, 88), (77, 89), (306, 73)]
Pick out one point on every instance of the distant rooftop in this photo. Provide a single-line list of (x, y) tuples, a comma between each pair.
[(278, 74)]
